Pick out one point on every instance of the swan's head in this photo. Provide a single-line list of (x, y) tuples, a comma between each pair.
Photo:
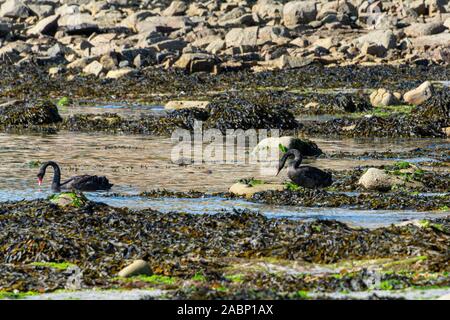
[(40, 177)]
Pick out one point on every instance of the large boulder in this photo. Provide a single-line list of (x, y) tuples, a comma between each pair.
[(383, 97), (299, 12), (424, 29), (46, 26), (242, 37), (275, 144), (385, 38), (18, 113), (268, 9), (78, 24), (376, 179), (420, 94)]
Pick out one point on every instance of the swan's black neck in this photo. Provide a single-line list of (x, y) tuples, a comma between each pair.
[(294, 164), (56, 183)]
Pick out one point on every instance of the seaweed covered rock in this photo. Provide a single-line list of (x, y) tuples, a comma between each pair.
[(74, 199), (18, 113), (437, 108), (350, 103), (241, 114)]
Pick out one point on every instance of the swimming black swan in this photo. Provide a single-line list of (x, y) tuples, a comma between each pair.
[(306, 176), (82, 183)]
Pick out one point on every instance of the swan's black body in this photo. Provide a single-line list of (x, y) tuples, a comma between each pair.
[(82, 183), (305, 176)]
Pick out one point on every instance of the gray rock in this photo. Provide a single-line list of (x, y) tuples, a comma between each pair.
[(242, 37), (138, 267), (373, 49), (42, 10), (268, 9), (197, 62), (46, 26), (78, 23), (176, 8), (5, 29), (431, 41), (163, 24), (424, 29), (14, 9), (385, 38), (299, 12), (170, 45)]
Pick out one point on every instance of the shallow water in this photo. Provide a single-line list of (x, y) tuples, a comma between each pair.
[(141, 163), (125, 110)]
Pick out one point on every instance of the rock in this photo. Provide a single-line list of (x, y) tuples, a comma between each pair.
[(138, 267), (268, 9), (180, 104), (18, 113), (72, 199), (196, 62), (385, 38), (170, 45), (242, 37), (383, 97), (242, 189), (14, 9), (447, 23), (46, 26), (78, 23), (176, 8), (5, 28), (420, 94), (434, 40), (299, 12), (376, 179), (215, 46), (118, 73), (273, 34), (373, 49), (272, 145), (163, 24), (424, 29), (95, 68), (446, 130), (288, 62)]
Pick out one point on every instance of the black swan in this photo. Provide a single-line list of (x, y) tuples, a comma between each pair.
[(306, 176), (82, 183)]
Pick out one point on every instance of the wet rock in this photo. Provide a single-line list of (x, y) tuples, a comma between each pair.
[(138, 267), (299, 12), (376, 179), (248, 190), (73, 199), (383, 97), (46, 26), (307, 148), (18, 113), (184, 104), (14, 9), (420, 94)]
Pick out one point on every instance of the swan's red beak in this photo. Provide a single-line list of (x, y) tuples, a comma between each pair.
[(40, 181)]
